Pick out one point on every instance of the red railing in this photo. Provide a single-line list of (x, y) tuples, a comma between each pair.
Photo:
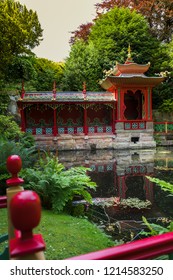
[(148, 248), (163, 127)]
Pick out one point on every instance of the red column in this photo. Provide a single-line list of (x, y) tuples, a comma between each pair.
[(23, 124), (54, 122), (85, 121), (113, 119)]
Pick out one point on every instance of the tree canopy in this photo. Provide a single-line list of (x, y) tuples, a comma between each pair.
[(20, 31), (107, 43), (114, 30), (82, 66), (159, 14)]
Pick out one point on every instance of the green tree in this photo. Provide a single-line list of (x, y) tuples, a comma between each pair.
[(114, 30), (47, 71), (9, 129), (21, 68), (162, 95), (82, 66), (20, 31)]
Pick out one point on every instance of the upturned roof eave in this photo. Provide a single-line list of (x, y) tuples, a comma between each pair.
[(142, 81)]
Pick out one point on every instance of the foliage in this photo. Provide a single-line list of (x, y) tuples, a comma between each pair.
[(4, 102), (9, 148), (113, 31), (81, 33), (132, 202), (20, 31), (47, 71), (135, 202), (162, 96), (165, 186), (21, 68), (55, 185), (158, 13), (155, 229), (82, 66), (9, 129)]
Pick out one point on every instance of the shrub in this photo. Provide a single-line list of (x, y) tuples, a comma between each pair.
[(55, 185), (9, 129), (9, 148)]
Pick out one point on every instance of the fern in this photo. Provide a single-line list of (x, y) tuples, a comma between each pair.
[(165, 186), (155, 229), (55, 185)]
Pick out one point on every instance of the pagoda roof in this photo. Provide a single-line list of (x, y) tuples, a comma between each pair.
[(129, 74), (131, 68), (70, 96), (111, 82)]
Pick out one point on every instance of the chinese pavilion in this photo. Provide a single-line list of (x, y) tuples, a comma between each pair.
[(117, 118)]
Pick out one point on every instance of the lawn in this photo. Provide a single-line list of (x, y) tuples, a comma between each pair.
[(65, 236)]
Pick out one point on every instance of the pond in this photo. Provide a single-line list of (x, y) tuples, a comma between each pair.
[(124, 194)]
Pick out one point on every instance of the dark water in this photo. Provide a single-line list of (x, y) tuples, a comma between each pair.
[(121, 177)]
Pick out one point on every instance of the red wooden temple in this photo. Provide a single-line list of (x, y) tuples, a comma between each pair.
[(119, 117)]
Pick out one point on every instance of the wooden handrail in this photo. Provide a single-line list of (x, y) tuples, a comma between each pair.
[(148, 248)]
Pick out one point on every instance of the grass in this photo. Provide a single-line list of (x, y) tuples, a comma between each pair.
[(65, 236)]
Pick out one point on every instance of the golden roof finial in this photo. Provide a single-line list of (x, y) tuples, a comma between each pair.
[(129, 51), (84, 87)]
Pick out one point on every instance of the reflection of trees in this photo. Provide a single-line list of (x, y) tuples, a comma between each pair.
[(162, 198)]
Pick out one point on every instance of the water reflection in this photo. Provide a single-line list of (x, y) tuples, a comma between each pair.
[(121, 176)]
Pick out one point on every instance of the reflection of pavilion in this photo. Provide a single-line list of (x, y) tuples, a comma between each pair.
[(121, 174), (131, 174)]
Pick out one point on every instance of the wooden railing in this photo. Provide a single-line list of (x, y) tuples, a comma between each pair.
[(69, 130), (144, 249), (135, 125), (163, 127)]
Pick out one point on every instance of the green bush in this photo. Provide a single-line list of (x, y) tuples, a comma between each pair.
[(9, 148), (55, 185), (9, 129), (165, 186)]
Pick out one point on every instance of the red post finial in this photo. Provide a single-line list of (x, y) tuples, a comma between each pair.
[(14, 165), (25, 211), (84, 88), (54, 90), (23, 90)]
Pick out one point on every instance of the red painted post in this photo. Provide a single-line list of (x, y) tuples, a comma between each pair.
[(14, 165), (23, 90), (54, 90), (85, 121), (113, 119), (25, 210), (85, 110), (23, 125), (55, 122)]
